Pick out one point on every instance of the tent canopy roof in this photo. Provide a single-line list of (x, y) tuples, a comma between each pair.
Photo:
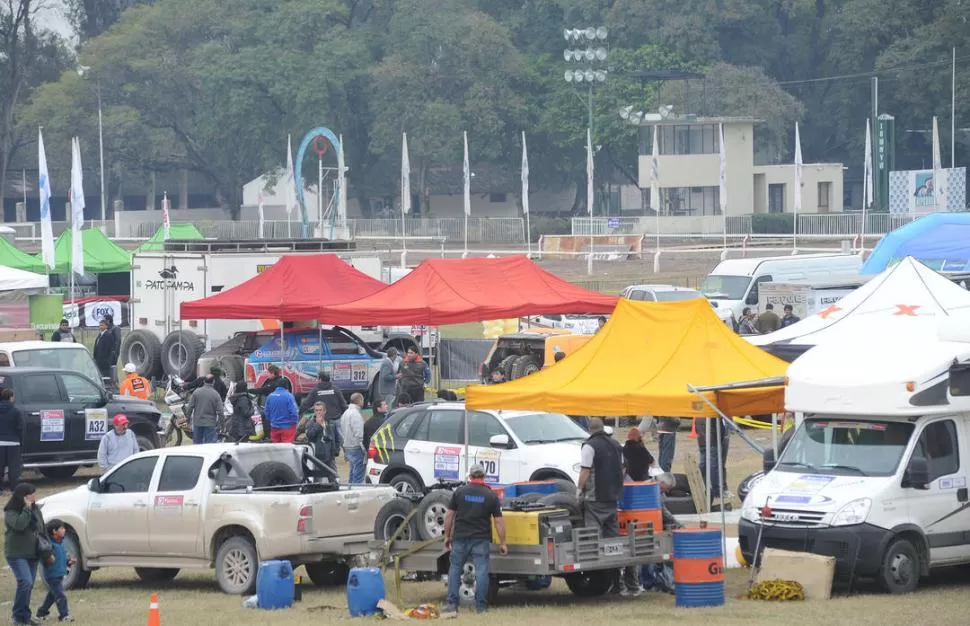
[(641, 362), (292, 289), (12, 256), (907, 299), (156, 243), (101, 255), (457, 291), (940, 240), (12, 279)]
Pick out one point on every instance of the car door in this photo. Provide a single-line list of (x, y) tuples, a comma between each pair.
[(502, 466), (43, 406), (350, 362), (84, 423), (175, 511), (117, 520), (942, 510), (437, 445)]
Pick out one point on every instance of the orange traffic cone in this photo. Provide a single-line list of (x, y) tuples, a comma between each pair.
[(693, 429), (154, 619)]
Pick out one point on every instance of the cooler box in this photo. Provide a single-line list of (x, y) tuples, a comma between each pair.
[(531, 528)]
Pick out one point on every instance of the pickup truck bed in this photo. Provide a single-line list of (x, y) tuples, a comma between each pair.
[(221, 506)]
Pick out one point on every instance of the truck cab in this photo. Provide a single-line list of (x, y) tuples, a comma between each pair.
[(873, 475)]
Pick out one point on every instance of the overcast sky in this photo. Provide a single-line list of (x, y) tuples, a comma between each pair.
[(53, 15)]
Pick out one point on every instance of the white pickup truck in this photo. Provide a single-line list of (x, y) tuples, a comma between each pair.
[(222, 506)]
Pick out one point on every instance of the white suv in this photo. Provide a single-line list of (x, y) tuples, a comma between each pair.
[(670, 293), (420, 445)]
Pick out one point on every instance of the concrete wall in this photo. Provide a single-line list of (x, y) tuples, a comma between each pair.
[(812, 175)]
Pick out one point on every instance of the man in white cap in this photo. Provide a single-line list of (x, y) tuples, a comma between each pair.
[(468, 534), (135, 385)]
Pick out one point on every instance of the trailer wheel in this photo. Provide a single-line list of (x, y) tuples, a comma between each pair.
[(144, 350), (180, 353), (590, 584)]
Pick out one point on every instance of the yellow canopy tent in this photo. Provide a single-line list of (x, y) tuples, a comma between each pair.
[(641, 362)]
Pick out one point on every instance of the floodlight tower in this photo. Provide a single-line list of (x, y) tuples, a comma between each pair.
[(591, 61)]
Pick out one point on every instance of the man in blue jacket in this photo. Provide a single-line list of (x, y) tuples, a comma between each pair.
[(282, 414)]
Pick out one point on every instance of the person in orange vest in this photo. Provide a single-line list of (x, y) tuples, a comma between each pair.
[(135, 385)]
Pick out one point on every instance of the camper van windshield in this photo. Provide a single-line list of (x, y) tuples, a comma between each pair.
[(846, 447), (73, 359), (725, 287)]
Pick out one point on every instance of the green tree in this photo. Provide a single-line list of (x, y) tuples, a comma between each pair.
[(93, 17)]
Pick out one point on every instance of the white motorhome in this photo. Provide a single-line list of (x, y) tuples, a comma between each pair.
[(734, 283), (806, 297), (161, 342), (873, 475)]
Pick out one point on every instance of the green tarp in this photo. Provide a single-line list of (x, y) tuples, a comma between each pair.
[(176, 231), (101, 255), (11, 256)]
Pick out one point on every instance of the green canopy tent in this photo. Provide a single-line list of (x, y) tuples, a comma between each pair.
[(176, 231), (11, 256), (101, 255)]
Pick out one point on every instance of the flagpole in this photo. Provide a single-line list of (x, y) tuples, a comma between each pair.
[(25, 192), (589, 196), (722, 190), (867, 187), (468, 193), (798, 189), (525, 196), (655, 193), (405, 197)]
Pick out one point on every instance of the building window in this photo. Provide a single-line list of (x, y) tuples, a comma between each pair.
[(692, 201), (776, 198), (824, 193), (497, 197), (685, 139)]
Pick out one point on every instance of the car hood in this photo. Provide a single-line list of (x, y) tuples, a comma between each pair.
[(135, 405), (817, 492), (562, 455), (62, 500)]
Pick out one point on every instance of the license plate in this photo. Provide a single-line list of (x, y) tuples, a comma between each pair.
[(612, 549)]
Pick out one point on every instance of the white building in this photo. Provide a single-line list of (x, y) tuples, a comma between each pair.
[(689, 171)]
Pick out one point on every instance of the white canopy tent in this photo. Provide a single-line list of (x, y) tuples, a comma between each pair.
[(907, 300), (12, 279)]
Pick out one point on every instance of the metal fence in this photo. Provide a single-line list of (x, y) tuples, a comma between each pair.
[(816, 225), (228, 229), (461, 359)]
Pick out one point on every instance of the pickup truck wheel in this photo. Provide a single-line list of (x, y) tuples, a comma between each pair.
[(391, 517), (58, 472), (328, 573), (144, 443), (156, 574), (274, 474), (236, 563), (77, 577), (900, 568), (590, 584), (431, 514), (405, 484)]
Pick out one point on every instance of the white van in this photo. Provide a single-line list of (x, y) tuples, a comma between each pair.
[(876, 474), (50, 355), (734, 283)]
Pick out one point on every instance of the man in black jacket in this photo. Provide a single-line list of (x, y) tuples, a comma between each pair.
[(103, 349), (276, 379), (115, 333), (217, 382), (324, 392)]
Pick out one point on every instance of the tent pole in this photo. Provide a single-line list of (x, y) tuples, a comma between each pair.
[(774, 433), (721, 482), (320, 351), (728, 422), (707, 454)]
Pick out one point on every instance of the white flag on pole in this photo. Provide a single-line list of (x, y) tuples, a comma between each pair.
[(290, 181), (341, 184), (722, 183), (939, 188), (44, 190), (468, 179), (589, 173), (166, 218), (262, 216), (405, 177), (525, 177), (798, 185), (867, 169), (77, 209)]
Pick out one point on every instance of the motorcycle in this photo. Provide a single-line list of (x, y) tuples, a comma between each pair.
[(180, 426)]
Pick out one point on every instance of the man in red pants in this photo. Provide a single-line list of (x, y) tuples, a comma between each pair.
[(282, 414)]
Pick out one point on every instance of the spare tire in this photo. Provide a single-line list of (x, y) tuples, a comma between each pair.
[(274, 474), (391, 516), (233, 367), (144, 350), (505, 366), (431, 514), (180, 353), (568, 502), (523, 366)]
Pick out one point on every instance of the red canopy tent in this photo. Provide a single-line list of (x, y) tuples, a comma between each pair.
[(456, 291), (292, 289)]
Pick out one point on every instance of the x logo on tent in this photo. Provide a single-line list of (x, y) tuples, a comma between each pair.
[(906, 309), (829, 311)]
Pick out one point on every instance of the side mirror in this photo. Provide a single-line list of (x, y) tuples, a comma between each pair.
[(917, 474), (768, 460), (499, 441), (94, 485)]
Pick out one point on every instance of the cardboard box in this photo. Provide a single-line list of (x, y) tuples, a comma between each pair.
[(813, 571)]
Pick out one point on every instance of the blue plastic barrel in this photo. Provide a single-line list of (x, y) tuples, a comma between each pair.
[(537, 486), (274, 585), (698, 568), (638, 496), (365, 588)]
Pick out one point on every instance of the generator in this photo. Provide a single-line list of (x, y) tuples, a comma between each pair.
[(533, 526)]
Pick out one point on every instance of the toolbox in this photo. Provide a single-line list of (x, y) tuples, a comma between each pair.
[(532, 527)]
